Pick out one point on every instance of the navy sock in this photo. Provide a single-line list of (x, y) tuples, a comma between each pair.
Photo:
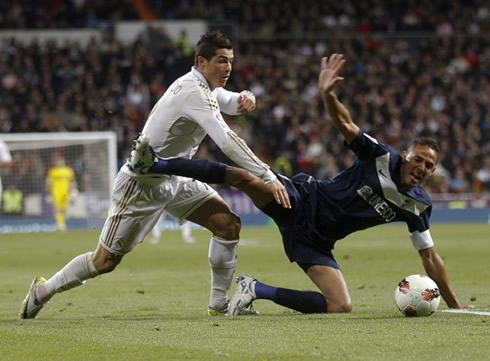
[(302, 301), (160, 167), (204, 170), (264, 291)]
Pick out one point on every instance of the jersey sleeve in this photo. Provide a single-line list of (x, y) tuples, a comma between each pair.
[(203, 109), (365, 146), (227, 100), (421, 240), (418, 227)]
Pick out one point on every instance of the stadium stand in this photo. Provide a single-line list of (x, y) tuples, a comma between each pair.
[(414, 68)]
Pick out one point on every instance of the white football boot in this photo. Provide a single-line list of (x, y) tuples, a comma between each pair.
[(142, 156), (243, 296)]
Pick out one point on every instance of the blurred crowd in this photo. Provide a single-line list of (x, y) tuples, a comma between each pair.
[(413, 68), (263, 18)]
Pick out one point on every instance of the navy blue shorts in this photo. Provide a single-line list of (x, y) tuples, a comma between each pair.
[(303, 243)]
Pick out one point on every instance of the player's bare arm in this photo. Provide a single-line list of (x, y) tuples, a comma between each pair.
[(279, 192), (246, 104), (435, 268), (329, 77)]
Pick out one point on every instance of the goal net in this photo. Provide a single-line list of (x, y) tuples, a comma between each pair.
[(27, 201)]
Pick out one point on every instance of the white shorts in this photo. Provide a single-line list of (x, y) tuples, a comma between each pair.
[(137, 204)]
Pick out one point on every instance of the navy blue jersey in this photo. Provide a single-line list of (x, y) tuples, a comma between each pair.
[(367, 194)]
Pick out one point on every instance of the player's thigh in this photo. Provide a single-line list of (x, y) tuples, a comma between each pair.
[(217, 216), (185, 195), (199, 203), (135, 209), (332, 284)]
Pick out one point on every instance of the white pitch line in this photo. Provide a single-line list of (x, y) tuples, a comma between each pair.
[(471, 312)]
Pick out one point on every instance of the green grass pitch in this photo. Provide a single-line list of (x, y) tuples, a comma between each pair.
[(153, 307)]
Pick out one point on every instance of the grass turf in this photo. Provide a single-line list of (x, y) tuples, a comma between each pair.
[(153, 307)]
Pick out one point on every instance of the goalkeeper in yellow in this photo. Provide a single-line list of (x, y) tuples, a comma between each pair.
[(61, 185)]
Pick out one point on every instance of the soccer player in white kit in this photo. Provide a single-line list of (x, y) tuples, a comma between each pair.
[(188, 111)]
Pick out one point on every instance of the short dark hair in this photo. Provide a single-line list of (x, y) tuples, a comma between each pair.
[(431, 143), (209, 43)]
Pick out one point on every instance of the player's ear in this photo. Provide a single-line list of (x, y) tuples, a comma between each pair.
[(201, 61), (404, 156)]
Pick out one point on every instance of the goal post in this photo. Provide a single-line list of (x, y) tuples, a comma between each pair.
[(91, 155)]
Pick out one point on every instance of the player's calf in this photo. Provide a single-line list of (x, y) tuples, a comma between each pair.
[(204, 170)]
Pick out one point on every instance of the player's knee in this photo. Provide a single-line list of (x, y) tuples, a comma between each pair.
[(344, 306), (229, 227), (107, 263)]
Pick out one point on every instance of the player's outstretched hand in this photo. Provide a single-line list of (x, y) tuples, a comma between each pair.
[(468, 306), (280, 194), (330, 73), (246, 102)]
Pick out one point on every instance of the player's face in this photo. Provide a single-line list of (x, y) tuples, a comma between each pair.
[(418, 164), (218, 69)]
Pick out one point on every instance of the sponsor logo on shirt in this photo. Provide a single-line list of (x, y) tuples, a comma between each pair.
[(378, 203)]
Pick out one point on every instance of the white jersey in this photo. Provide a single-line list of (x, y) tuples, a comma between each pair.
[(177, 125), (187, 112)]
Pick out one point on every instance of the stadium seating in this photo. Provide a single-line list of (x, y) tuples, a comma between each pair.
[(414, 74)]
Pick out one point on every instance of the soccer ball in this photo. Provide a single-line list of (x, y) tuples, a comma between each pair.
[(417, 295)]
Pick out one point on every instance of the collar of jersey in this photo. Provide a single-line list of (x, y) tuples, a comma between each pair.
[(391, 192), (198, 74)]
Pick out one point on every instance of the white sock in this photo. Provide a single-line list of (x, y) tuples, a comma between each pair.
[(223, 261), (74, 274)]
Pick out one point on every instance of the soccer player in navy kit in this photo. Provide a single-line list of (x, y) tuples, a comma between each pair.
[(381, 186)]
